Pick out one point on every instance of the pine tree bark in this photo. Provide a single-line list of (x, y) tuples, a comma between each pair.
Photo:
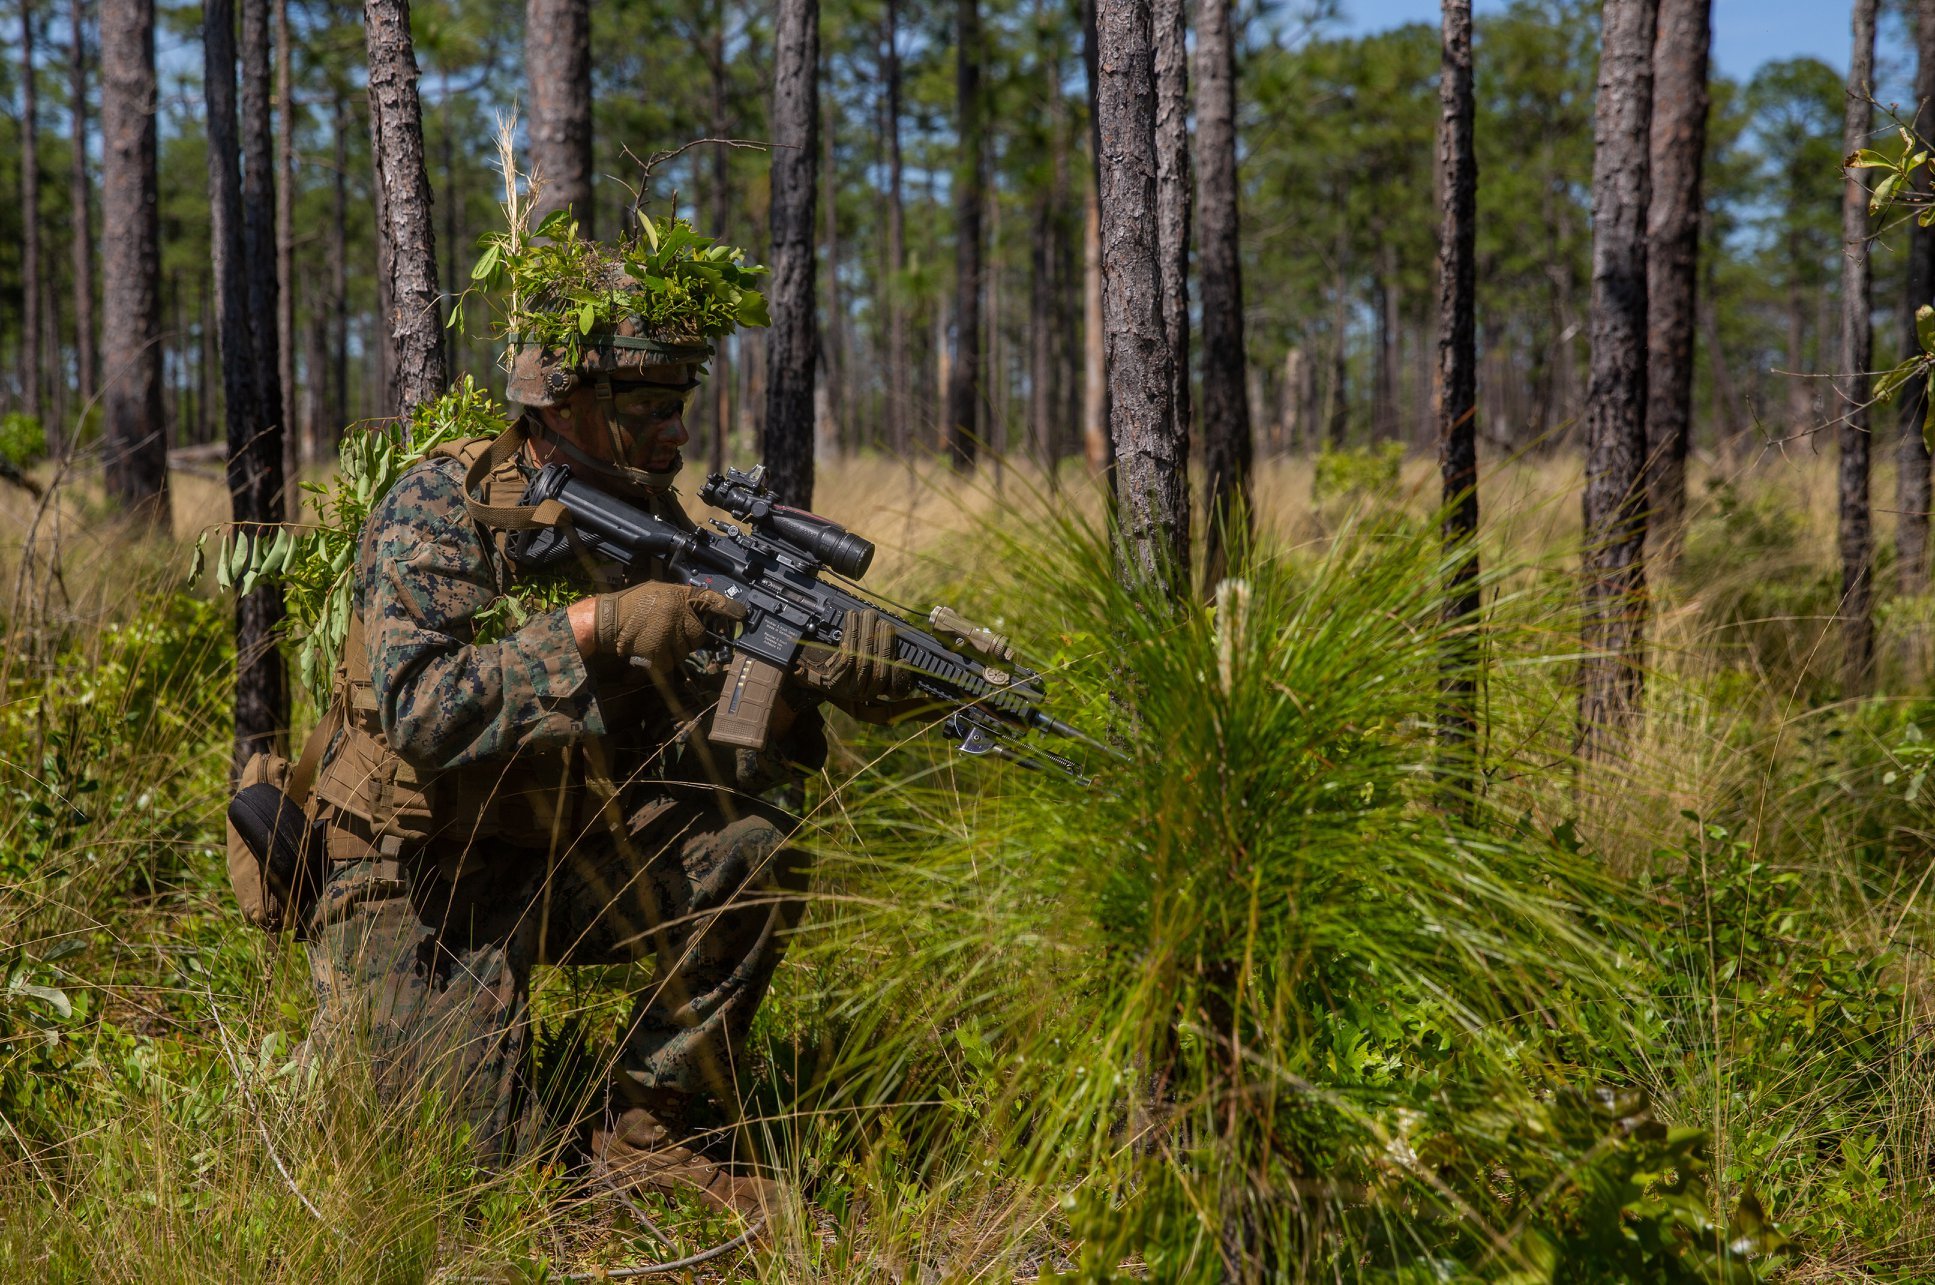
[(792, 343), (970, 197), (557, 59), (898, 407), (1456, 372), (721, 194), (337, 248), (81, 198), (1854, 526), (1227, 443), (30, 315), (1173, 200), (1911, 451), (837, 421), (255, 481), (258, 217), (414, 322), (1614, 500), (1097, 445), (1151, 479), (285, 204), (1678, 149), (134, 434)]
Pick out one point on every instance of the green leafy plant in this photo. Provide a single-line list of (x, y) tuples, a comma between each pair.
[(316, 564)]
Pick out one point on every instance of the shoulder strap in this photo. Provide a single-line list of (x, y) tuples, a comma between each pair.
[(505, 517)]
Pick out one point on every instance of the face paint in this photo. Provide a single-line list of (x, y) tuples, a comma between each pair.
[(642, 422)]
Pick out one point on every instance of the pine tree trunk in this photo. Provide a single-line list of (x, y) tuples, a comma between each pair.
[(1151, 479), (81, 198), (1911, 453), (255, 481), (793, 341), (833, 341), (898, 407), (1615, 413), (336, 414), (285, 204), (258, 225), (1227, 444), (1679, 140), (30, 314), (134, 435), (1456, 375), (721, 215), (415, 321), (557, 60), (1173, 201), (1855, 530), (970, 197), (1097, 449)]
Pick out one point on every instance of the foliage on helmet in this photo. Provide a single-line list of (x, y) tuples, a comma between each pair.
[(670, 283)]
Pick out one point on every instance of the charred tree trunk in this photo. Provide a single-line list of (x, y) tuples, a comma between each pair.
[(406, 227), (1457, 370), (1855, 531), (557, 56), (30, 315), (964, 375), (1173, 201), (792, 343), (1227, 444), (81, 198), (1615, 415), (1151, 479), (134, 436), (254, 451), (1679, 142), (1912, 477)]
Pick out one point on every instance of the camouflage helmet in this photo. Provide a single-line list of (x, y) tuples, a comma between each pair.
[(544, 376)]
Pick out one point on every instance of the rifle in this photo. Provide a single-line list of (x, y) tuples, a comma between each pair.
[(778, 564)]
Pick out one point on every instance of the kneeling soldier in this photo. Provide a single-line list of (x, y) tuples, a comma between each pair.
[(499, 798)]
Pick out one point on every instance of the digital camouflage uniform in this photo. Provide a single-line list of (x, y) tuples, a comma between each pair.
[(495, 804)]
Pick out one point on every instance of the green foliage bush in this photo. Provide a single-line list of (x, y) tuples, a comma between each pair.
[(23, 443)]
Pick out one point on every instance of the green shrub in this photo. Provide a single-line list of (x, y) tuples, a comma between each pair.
[(23, 442)]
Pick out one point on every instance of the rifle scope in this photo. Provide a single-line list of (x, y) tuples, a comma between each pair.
[(745, 496)]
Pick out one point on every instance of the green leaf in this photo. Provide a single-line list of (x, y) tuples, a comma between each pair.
[(52, 996), (1868, 158), (1928, 419), (1895, 380), (200, 560), (1884, 192), (488, 263), (752, 309), (585, 318), (1925, 327), (555, 225), (651, 233)]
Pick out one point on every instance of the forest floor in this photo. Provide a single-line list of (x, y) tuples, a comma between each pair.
[(1289, 994)]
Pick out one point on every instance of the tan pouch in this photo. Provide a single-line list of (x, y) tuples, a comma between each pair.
[(259, 906)]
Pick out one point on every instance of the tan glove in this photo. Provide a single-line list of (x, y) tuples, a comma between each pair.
[(658, 624), (861, 668)]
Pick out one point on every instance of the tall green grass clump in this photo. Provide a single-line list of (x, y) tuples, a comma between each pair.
[(1277, 995)]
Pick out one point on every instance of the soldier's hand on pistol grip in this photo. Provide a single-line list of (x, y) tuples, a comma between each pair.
[(657, 624), (861, 669)]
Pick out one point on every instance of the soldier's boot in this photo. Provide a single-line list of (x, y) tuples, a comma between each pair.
[(638, 1150)]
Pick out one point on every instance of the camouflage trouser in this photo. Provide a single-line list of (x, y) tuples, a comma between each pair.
[(428, 975)]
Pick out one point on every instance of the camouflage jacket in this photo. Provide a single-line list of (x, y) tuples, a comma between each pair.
[(424, 575)]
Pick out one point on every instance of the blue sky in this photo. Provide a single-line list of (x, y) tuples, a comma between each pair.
[(1746, 33)]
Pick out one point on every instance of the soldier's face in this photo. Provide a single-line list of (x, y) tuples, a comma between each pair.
[(652, 418)]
